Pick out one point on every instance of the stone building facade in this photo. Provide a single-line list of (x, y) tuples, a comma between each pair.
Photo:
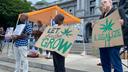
[(86, 10)]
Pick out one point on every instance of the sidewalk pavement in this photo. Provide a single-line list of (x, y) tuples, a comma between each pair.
[(85, 63), (75, 62)]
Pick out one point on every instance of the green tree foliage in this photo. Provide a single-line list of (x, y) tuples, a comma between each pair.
[(42, 2), (10, 9)]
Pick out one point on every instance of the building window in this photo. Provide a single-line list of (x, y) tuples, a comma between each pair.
[(71, 10), (115, 4), (92, 10), (92, 2)]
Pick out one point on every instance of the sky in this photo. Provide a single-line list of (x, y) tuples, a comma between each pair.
[(34, 1)]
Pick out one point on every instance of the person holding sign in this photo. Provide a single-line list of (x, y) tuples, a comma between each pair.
[(110, 55), (58, 39), (21, 44), (59, 61)]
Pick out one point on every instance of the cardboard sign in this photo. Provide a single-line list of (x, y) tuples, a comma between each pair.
[(58, 39), (107, 32), (19, 29)]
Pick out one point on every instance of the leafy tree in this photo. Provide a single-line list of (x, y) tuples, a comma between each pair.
[(42, 2), (10, 9)]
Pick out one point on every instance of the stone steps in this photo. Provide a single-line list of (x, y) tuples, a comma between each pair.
[(1, 70), (78, 48), (32, 65), (10, 67), (8, 64)]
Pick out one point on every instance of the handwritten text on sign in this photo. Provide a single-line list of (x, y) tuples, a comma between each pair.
[(59, 39)]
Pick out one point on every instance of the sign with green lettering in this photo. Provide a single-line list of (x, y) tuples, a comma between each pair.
[(107, 32), (58, 39)]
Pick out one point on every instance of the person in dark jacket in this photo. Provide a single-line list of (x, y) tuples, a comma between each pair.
[(110, 56), (122, 3)]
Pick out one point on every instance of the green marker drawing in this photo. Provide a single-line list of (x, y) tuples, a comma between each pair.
[(106, 28), (66, 32)]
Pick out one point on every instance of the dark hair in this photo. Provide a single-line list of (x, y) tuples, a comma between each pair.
[(59, 18)]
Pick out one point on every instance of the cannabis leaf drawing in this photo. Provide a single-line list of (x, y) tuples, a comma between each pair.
[(106, 28), (66, 32)]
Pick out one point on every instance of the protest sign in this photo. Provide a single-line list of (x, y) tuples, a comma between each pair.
[(107, 32), (58, 39)]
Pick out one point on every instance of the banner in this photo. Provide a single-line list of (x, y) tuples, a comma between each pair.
[(58, 39), (107, 32)]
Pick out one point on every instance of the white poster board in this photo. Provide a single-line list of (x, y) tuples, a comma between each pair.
[(19, 29)]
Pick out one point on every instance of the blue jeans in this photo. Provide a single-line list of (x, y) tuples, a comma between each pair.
[(111, 57)]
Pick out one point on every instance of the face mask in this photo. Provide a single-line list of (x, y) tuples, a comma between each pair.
[(53, 23)]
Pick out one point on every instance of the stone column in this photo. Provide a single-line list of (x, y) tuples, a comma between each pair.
[(78, 4), (97, 10), (81, 4)]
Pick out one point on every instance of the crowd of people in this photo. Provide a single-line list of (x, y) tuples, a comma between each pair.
[(109, 56)]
